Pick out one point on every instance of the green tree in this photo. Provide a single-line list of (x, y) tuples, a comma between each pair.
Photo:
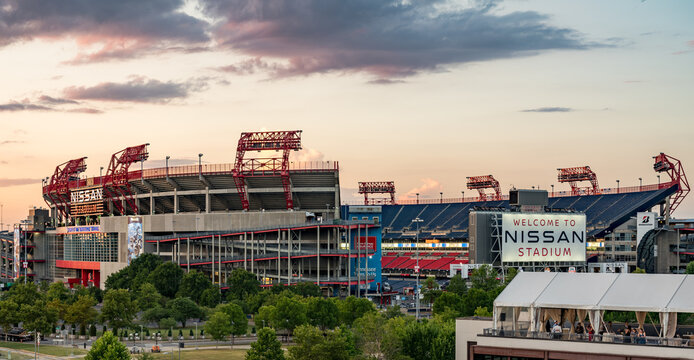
[(108, 347), (352, 308), (237, 318), (476, 298), (484, 278), (393, 335), (314, 344), (429, 340), (369, 333), (119, 309), (267, 347), (166, 277), (134, 275), (482, 311), (82, 311), (148, 297), (155, 314), (184, 309), (448, 301), (290, 313), (242, 284), (306, 289), (393, 311), (510, 274), (266, 316), (9, 314), (457, 285), (193, 284), (167, 323), (58, 291), (37, 317), (218, 326), (322, 312), (211, 297), (690, 268), (24, 294)]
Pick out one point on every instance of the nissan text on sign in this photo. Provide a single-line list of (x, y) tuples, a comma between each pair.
[(543, 237)]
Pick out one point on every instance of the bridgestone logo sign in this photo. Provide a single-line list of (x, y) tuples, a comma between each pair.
[(543, 237)]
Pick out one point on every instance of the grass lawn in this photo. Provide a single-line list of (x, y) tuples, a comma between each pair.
[(44, 349), (220, 354)]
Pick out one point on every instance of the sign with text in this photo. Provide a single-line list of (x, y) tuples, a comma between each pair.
[(543, 237), (645, 221), (367, 243), (87, 202)]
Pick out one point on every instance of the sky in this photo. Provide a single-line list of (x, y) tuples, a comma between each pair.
[(423, 93)]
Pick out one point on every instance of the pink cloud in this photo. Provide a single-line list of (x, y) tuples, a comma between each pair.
[(429, 188)]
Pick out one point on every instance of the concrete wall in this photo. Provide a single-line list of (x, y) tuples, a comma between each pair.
[(108, 268), (466, 330), (206, 222)]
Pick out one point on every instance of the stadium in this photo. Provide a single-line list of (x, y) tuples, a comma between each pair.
[(285, 222)]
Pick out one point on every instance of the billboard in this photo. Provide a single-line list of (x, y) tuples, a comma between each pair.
[(645, 221), (543, 237), (135, 240), (85, 202), (16, 249)]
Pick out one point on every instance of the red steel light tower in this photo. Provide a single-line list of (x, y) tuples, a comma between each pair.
[(116, 182), (284, 141), (673, 167), (59, 184), (484, 182), (377, 187), (573, 175)]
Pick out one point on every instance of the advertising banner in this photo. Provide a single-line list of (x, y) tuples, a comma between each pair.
[(367, 243), (17, 248), (135, 240), (543, 237), (645, 221), (85, 202)]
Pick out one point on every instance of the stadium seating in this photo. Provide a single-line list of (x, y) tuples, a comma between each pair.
[(603, 213)]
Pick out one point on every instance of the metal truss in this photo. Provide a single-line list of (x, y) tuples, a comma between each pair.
[(284, 141), (575, 174), (480, 183), (377, 187)]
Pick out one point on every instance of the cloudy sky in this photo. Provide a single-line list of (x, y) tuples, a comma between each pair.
[(424, 93)]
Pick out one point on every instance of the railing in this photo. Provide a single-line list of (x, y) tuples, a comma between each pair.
[(596, 338), (204, 169), (490, 197)]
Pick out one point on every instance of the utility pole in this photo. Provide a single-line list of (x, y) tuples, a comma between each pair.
[(417, 220)]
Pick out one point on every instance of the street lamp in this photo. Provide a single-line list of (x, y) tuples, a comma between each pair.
[(417, 220), (200, 163), (167, 165), (417, 197), (617, 186), (441, 193), (658, 176), (552, 189), (463, 198), (640, 183)]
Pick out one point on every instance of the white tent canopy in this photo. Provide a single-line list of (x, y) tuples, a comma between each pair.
[(523, 290), (575, 291), (592, 294)]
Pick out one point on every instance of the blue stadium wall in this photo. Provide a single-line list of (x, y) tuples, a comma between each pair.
[(371, 214)]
